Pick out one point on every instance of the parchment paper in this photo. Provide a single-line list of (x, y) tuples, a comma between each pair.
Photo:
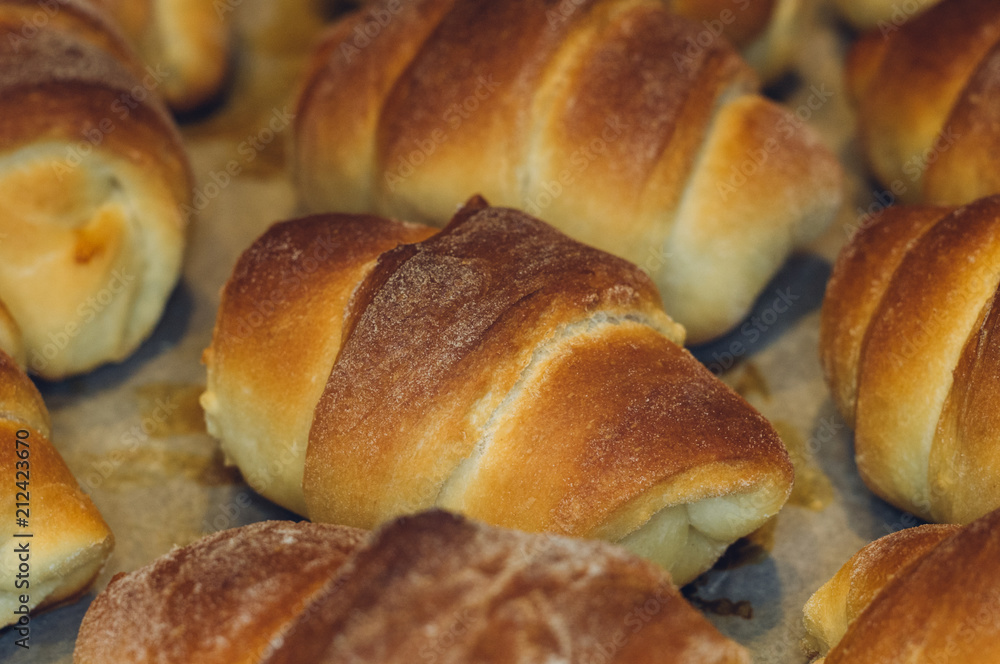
[(133, 433)]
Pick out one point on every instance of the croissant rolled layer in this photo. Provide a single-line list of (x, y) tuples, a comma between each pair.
[(362, 369), (926, 594), (911, 348)]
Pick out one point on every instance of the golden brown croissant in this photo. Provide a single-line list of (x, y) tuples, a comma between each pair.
[(497, 369), (56, 542), (185, 43), (610, 121), (92, 180), (927, 594), (910, 343), (927, 97), (433, 587)]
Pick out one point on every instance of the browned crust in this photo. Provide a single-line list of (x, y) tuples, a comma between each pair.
[(72, 83), (292, 282), (909, 345), (283, 307), (860, 278), (943, 608), (194, 58), (833, 608), (965, 458), (914, 342), (888, 557), (963, 167), (11, 341), (20, 20), (436, 329), (461, 364), (606, 405), (228, 597), (905, 100), (499, 596), (345, 87), (69, 539), (20, 400), (743, 23), (636, 106), (499, 69), (593, 115)]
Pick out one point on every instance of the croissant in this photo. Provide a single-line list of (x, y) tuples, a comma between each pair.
[(433, 586), (927, 594), (926, 95), (606, 118), (886, 15), (56, 542), (93, 178), (185, 43), (910, 343), (498, 369)]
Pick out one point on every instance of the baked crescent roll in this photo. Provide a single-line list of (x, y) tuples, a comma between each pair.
[(498, 369), (910, 343), (185, 43), (886, 15), (225, 598), (606, 118), (928, 101), (432, 587), (56, 542), (92, 182), (927, 594)]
